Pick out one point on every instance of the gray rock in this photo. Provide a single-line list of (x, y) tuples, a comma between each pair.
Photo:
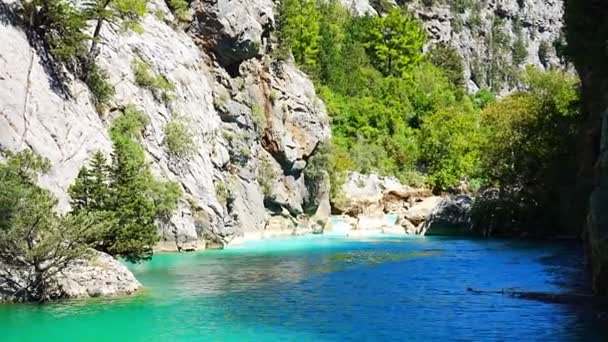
[(217, 104), (99, 276), (421, 210), (234, 30), (451, 217)]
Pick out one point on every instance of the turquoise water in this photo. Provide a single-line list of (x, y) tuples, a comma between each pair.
[(328, 289)]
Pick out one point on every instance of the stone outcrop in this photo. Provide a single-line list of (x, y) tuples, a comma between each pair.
[(474, 29), (383, 203), (100, 275), (452, 216), (256, 121)]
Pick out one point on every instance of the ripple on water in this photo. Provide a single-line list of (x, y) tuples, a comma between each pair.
[(327, 289)]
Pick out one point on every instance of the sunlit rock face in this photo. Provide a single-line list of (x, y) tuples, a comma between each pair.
[(249, 114), (485, 32)]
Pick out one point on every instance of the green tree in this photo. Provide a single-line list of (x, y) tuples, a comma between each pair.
[(124, 194), (125, 12), (59, 25), (299, 30), (395, 42), (449, 142), (529, 149), (35, 243)]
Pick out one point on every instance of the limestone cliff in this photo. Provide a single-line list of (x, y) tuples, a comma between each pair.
[(256, 120), (494, 37)]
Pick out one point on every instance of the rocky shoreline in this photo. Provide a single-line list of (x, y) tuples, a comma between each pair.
[(99, 276)]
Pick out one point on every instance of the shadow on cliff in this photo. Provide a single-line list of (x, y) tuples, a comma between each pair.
[(58, 78)]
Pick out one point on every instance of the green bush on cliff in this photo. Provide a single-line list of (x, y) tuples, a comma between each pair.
[(179, 138), (123, 193), (180, 9)]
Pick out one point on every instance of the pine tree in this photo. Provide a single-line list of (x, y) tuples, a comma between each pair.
[(90, 189), (124, 195), (395, 42), (59, 25), (35, 242), (125, 12)]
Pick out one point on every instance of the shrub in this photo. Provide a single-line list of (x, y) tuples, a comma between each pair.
[(100, 87), (180, 9), (258, 116), (519, 51), (222, 193), (145, 78), (179, 139), (266, 177), (543, 53)]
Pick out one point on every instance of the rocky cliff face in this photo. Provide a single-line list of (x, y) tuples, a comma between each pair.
[(494, 37), (256, 120), (587, 30)]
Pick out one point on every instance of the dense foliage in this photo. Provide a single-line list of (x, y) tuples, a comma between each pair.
[(398, 111), (123, 193), (529, 152), (377, 84)]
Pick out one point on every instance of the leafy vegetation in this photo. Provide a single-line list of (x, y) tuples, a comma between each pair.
[(145, 77), (180, 9), (448, 59), (528, 152), (179, 138), (63, 29), (123, 194), (35, 242), (399, 112), (266, 177)]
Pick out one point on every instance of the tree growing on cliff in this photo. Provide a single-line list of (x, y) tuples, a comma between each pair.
[(448, 59), (35, 243), (59, 25), (123, 193)]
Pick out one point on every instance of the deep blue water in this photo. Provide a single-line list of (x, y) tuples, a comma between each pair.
[(333, 289)]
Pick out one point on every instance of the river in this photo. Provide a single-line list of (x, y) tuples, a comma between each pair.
[(321, 288)]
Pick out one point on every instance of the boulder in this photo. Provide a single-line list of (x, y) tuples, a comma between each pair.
[(421, 210), (452, 216), (99, 276)]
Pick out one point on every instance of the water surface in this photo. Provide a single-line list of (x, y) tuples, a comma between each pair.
[(328, 289)]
